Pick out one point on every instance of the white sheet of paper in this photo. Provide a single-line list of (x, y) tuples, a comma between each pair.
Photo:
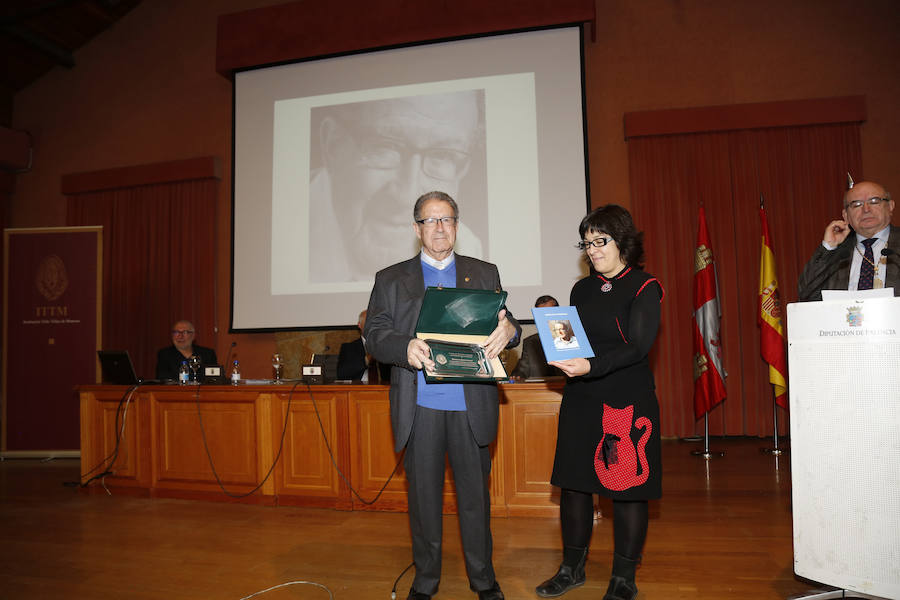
[(857, 294)]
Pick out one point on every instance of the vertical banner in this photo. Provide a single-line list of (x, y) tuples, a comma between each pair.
[(771, 332), (51, 334), (709, 374)]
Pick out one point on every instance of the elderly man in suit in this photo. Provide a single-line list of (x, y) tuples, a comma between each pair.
[(444, 419), (850, 255)]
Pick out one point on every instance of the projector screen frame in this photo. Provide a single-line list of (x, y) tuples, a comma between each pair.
[(583, 149)]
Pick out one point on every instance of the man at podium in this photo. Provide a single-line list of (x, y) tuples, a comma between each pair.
[(169, 359), (354, 363), (859, 251)]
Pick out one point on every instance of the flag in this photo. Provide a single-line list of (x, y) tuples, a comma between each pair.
[(709, 375), (771, 332)]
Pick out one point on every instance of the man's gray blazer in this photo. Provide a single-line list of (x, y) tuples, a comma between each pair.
[(390, 325)]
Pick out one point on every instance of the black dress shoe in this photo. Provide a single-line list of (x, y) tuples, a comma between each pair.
[(492, 593), (414, 595), (566, 578), (620, 589)]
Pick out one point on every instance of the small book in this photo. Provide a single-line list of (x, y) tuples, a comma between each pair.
[(561, 333)]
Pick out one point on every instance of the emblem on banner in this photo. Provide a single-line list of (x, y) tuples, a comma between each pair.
[(51, 278), (700, 365), (702, 258), (854, 316), (771, 304)]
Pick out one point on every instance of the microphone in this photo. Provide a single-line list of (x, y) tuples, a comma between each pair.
[(312, 358), (889, 254), (228, 359)]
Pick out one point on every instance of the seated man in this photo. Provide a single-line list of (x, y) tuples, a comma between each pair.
[(169, 359), (533, 363), (354, 361)]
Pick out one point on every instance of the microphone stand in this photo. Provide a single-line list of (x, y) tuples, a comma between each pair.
[(228, 358)]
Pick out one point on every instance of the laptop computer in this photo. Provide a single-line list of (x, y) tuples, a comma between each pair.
[(117, 367), (328, 363)]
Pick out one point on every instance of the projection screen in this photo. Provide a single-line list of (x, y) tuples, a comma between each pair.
[(330, 155)]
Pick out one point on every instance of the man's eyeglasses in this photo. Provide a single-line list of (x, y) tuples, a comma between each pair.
[(596, 243), (182, 332), (446, 164), (432, 221), (873, 201)]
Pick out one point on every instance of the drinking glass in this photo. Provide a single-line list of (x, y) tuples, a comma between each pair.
[(194, 364), (277, 367)]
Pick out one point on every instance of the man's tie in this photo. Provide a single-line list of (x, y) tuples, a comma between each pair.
[(867, 269)]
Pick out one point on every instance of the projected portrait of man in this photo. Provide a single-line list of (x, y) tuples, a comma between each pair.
[(374, 159)]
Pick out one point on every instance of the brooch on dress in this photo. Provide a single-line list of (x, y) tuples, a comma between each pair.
[(607, 284)]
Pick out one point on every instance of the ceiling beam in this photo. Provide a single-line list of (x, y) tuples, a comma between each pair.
[(23, 14), (60, 55)]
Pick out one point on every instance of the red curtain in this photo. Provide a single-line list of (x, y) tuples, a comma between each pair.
[(159, 261), (801, 172)]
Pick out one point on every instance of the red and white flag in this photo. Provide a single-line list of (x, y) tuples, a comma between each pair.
[(771, 332), (709, 374)]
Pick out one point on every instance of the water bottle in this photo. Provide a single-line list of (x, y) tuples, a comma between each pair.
[(235, 373), (184, 373)]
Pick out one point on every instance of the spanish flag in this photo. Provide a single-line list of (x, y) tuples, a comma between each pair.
[(771, 332), (709, 375)]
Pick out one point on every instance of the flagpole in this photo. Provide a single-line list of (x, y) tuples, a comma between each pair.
[(775, 450), (709, 374), (771, 330), (705, 453)]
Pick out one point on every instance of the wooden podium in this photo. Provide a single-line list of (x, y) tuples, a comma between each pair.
[(844, 366)]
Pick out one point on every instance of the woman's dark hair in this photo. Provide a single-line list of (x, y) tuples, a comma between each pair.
[(616, 222)]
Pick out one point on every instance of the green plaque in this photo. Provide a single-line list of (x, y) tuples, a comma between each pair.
[(456, 359), (454, 322)]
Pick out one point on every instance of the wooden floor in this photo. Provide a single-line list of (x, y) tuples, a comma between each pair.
[(722, 530)]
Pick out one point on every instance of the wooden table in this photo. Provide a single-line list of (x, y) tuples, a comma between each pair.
[(193, 441)]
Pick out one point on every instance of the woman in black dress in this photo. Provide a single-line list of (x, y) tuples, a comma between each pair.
[(608, 437)]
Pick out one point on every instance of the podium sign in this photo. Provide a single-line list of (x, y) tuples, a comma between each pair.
[(844, 365)]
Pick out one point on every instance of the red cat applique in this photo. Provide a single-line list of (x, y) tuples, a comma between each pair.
[(616, 459)]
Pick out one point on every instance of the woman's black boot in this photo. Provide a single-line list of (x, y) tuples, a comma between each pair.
[(570, 574), (621, 584)]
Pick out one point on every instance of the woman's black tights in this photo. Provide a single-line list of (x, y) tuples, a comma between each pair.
[(576, 515), (629, 527), (576, 511)]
